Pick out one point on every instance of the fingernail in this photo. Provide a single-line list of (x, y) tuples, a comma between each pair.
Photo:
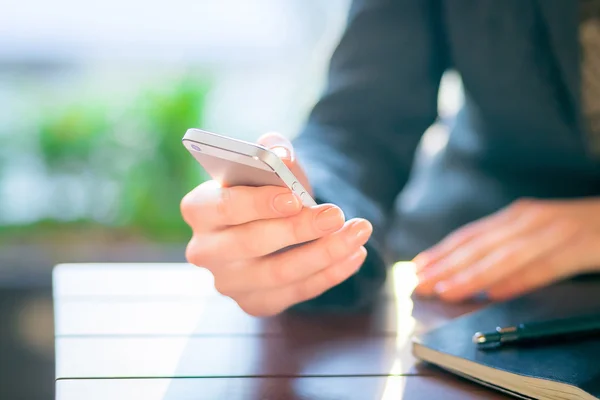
[(358, 232), (330, 219), (441, 287), (281, 152), (424, 285), (357, 254), (286, 203), (421, 261), (431, 272), (422, 277)]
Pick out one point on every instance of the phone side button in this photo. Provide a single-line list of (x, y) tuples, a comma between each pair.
[(303, 197), (295, 186)]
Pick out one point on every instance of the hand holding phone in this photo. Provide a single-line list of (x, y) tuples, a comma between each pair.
[(234, 162), (251, 211)]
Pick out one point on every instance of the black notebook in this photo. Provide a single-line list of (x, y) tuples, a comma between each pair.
[(554, 371)]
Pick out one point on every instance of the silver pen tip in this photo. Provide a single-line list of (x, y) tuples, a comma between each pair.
[(479, 338)]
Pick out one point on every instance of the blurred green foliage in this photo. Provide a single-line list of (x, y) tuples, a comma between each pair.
[(155, 184), (126, 158)]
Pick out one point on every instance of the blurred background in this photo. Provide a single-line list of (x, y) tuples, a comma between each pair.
[(94, 100)]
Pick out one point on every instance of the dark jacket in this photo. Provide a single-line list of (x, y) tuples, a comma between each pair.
[(519, 134)]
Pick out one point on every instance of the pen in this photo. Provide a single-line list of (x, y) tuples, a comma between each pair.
[(537, 331)]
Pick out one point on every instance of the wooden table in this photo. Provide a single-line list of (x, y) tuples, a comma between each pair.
[(161, 331)]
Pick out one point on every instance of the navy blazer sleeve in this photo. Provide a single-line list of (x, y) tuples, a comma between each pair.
[(360, 138)]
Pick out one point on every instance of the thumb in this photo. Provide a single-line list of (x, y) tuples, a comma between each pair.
[(284, 149)]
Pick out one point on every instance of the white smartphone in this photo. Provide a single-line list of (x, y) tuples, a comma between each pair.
[(234, 162)]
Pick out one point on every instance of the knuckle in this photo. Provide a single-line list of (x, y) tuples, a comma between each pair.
[(248, 308), (460, 236), (508, 257), (280, 274), (255, 309), (221, 287), (187, 207), (196, 252), (328, 254), (289, 231), (334, 250), (332, 276), (191, 252), (295, 228), (259, 203), (304, 291), (190, 255), (184, 205), (193, 200), (250, 245)]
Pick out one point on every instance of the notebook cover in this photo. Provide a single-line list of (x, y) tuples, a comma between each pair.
[(575, 363)]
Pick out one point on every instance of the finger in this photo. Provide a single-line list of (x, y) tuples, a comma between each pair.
[(473, 230), (534, 276), (282, 269), (259, 238), (508, 260), (284, 149), (568, 260), (497, 236), (209, 206), (275, 301), (457, 239)]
